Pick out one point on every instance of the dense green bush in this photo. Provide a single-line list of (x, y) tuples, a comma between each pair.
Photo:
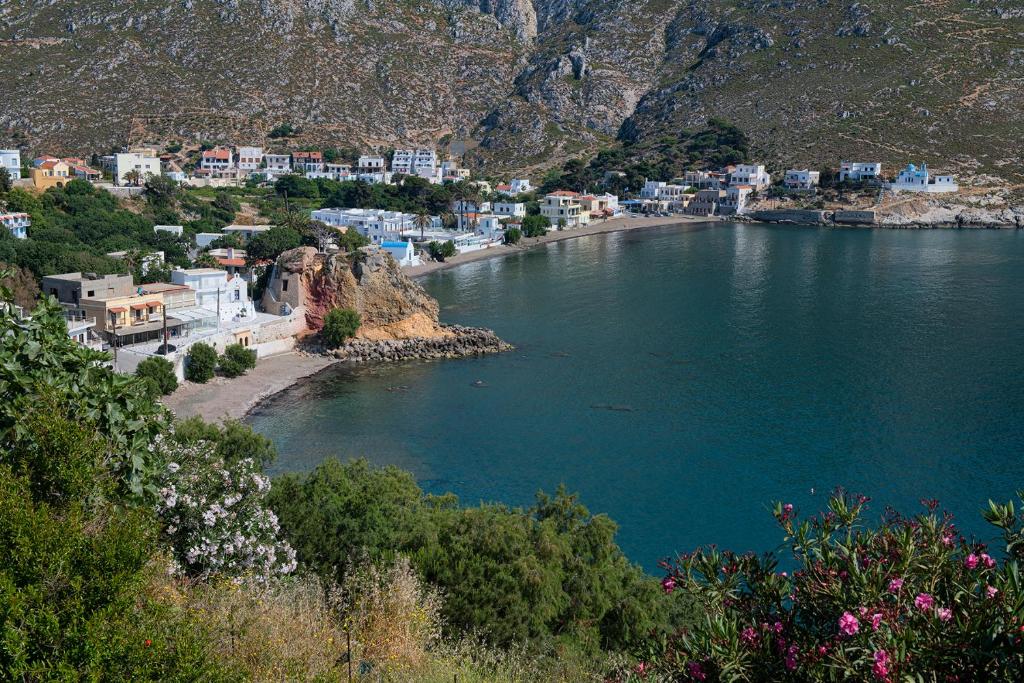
[(236, 360), (441, 251), (160, 373), (536, 226), (339, 324), (550, 571), (513, 236), (200, 363)]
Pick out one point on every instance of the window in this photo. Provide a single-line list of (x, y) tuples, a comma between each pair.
[(284, 285), (91, 293)]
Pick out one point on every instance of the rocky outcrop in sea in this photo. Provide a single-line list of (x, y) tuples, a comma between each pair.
[(459, 343)]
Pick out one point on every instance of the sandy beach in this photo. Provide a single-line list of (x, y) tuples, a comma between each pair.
[(612, 225), (223, 398)]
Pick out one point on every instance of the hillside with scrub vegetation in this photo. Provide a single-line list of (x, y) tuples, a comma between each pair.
[(524, 84)]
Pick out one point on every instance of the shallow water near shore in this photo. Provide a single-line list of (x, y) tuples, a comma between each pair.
[(681, 379)]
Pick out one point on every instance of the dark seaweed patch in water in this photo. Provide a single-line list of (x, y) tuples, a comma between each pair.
[(614, 408)]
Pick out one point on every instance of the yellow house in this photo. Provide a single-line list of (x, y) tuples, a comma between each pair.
[(126, 316), (50, 173)]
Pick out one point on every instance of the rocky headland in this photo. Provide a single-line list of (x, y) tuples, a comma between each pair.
[(399, 320)]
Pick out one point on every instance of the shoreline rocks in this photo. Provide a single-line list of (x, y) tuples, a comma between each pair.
[(459, 343)]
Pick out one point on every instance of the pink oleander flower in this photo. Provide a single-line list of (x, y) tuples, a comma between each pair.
[(924, 602), (895, 585), (881, 665), (791, 654), (991, 591), (696, 671), (641, 668), (876, 621), (944, 613), (947, 539), (848, 624), (788, 508), (987, 561), (749, 635), (971, 561), (668, 584), (777, 627)]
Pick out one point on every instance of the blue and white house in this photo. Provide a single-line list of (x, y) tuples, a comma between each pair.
[(914, 179), (403, 252), (17, 223), (11, 160)]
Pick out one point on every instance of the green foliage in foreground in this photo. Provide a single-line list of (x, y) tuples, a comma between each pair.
[(159, 375), (536, 226), (339, 324), (200, 363), (551, 571), (441, 251)]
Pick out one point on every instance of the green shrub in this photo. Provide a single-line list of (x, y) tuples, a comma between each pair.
[(513, 235), (160, 372), (339, 325), (536, 226), (200, 363), (236, 360), (441, 251)]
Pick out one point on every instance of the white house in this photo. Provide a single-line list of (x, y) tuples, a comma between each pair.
[(17, 223), (735, 200), (216, 159), (510, 209), (651, 188), (370, 164), (801, 179), (489, 226), (11, 160), (670, 192), (246, 232), (563, 209), (172, 170), (451, 171), (466, 206), (857, 171), (914, 179), (277, 164), (375, 178), (308, 162), (378, 226), (250, 159), (217, 291), (153, 259), (754, 175), (421, 162), (403, 252), (520, 185), (142, 162), (176, 230)]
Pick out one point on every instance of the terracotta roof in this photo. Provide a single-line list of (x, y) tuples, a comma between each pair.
[(503, 188), (118, 309), (143, 306), (217, 154), (50, 164), (238, 262), (308, 155)]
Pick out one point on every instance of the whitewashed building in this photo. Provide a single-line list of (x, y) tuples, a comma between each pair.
[(370, 164), (735, 200), (278, 164), (651, 189), (11, 160), (467, 206), (16, 223), (218, 159), (520, 185), (754, 175), (564, 210), (146, 164), (403, 252), (217, 291), (205, 239), (308, 162), (796, 179), (914, 179), (246, 232), (510, 209), (250, 159), (378, 226), (858, 171), (176, 230)]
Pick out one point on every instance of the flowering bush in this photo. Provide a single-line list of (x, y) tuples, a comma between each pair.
[(214, 513), (909, 598)]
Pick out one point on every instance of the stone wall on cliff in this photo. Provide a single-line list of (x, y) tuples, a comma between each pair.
[(389, 303)]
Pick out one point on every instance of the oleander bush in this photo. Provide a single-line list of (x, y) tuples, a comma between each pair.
[(909, 599)]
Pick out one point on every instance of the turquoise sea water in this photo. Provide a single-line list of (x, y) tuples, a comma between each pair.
[(681, 379)]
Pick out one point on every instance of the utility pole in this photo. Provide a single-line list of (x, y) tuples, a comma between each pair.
[(218, 307), (164, 313)]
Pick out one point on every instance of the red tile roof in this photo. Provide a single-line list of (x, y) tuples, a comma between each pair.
[(237, 262), (224, 154)]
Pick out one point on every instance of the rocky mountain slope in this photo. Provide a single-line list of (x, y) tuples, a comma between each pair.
[(525, 83)]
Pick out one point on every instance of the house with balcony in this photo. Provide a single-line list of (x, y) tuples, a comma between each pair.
[(217, 291), (250, 159), (17, 223), (11, 160), (753, 175), (308, 162), (802, 180), (735, 200), (277, 164), (216, 161), (370, 164), (123, 320), (564, 210), (600, 205), (915, 179), (705, 202), (510, 209), (859, 171), (706, 180)]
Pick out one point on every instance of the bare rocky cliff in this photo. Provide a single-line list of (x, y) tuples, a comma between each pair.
[(390, 305)]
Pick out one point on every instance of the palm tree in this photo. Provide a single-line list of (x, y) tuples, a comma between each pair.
[(459, 195), (475, 197), (133, 177), (421, 221)]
